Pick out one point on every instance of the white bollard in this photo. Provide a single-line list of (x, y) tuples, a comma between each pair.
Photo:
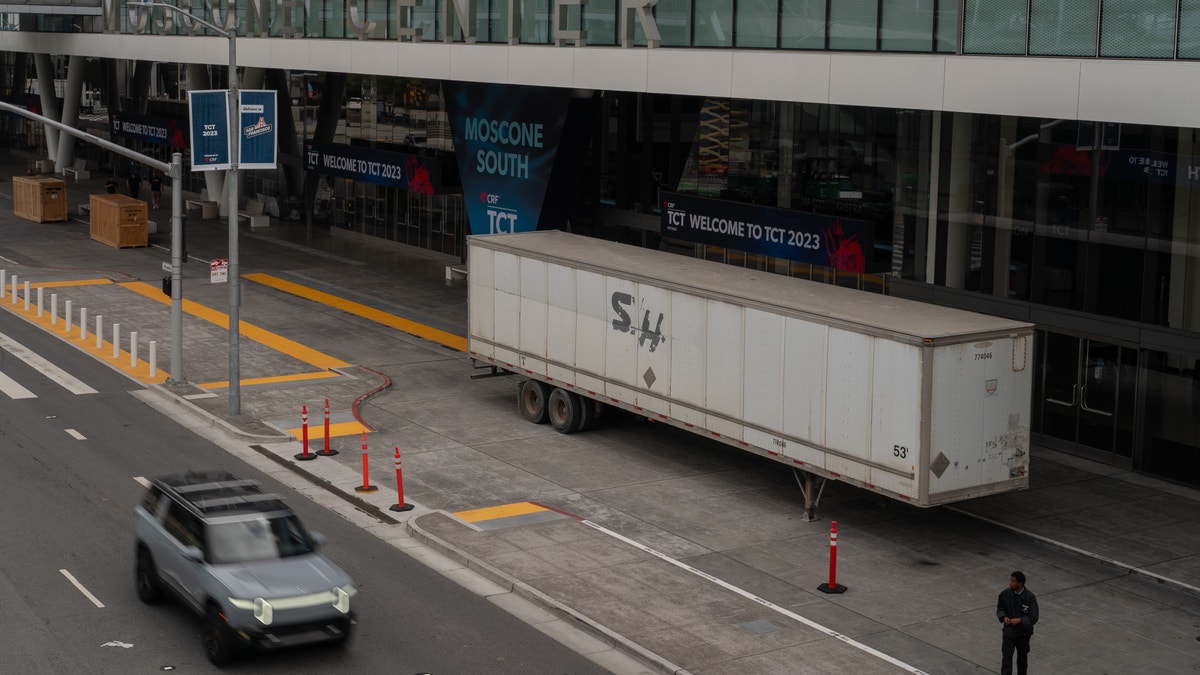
[(82, 322), (14, 288), (67, 316), (39, 303), (133, 349), (26, 296), (3, 291), (116, 340), (99, 331), (53, 305), (153, 358)]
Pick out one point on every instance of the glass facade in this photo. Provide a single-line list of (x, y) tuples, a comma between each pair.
[(1090, 230), (1142, 29)]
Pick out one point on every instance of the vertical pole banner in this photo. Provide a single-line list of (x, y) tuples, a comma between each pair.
[(208, 121), (257, 129), (505, 138)]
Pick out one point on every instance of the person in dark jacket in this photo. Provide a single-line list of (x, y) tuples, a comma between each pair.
[(135, 184), (1017, 609), (111, 186)]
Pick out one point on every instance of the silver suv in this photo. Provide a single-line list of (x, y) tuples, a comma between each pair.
[(241, 559)]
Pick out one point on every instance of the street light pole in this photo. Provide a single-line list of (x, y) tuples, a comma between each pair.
[(235, 296)]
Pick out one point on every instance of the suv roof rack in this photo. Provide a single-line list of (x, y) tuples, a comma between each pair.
[(209, 492)]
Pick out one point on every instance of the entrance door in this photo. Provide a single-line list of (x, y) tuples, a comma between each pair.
[(1087, 397)]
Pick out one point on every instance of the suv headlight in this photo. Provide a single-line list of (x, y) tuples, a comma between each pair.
[(263, 611), (341, 597)]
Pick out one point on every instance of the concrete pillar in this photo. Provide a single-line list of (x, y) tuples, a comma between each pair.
[(1184, 310), (961, 210), (1004, 208), (70, 114), (45, 75)]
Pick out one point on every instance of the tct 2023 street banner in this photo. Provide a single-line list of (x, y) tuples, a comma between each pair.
[(830, 241)]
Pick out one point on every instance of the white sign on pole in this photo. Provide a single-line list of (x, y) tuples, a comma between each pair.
[(218, 271)]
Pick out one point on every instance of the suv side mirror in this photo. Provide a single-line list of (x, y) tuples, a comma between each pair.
[(318, 539), (193, 553)]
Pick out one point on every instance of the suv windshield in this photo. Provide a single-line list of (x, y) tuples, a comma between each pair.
[(258, 537)]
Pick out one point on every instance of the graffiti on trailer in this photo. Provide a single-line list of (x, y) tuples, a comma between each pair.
[(623, 323)]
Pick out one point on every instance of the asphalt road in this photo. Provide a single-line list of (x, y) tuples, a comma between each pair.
[(67, 492)]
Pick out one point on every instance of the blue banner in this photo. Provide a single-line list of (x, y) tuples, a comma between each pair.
[(505, 139), (156, 130), (208, 116), (380, 167), (830, 241), (258, 125)]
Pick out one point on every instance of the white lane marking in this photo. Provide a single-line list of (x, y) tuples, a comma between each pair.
[(76, 435), (746, 594), (81, 588), (13, 389), (142, 481), (117, 643), (56, 374)]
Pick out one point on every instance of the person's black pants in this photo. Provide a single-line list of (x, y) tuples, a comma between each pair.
[(1019, 643)]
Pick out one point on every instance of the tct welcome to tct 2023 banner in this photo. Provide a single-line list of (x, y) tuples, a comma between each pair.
[(830, 241), (505, 138)]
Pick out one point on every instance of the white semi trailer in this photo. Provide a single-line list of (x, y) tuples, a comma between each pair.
[(921, 403)]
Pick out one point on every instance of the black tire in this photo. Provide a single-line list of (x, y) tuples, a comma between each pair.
[(564, 409), (218, 640), (148, 589), (531, 400), (587, 413)]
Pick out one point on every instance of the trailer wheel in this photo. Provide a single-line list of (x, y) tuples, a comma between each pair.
[(588, 412), (531, 400), (564, 408)]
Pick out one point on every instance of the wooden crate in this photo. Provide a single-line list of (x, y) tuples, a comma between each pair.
[(39, 198), (118, 221)]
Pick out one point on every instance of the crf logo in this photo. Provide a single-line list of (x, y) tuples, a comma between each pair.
[(620, 301)]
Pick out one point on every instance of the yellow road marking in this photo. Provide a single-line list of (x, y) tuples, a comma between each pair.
[(502, 511), (298, 377), (68, 284), (279, 343), (358, 309), (317, 431)]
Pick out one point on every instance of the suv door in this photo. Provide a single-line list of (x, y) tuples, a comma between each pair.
[(184, 530)]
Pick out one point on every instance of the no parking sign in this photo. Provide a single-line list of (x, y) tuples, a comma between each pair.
[(218, 271)]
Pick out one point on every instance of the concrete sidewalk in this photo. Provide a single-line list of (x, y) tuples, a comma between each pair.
[(688, 554)]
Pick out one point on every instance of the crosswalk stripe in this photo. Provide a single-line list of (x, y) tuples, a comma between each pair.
[(14, 390), (53, 372)]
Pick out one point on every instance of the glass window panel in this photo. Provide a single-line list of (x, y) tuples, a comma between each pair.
[(332, 14), (907, 26), (674, 18), (757, 23), (947, 27), (995, 26), (1138, 28), (853, 24), (1189, 29), (802, 24), (427, 18), (1063, 27), (535, 22), (600, 22), (714, 23)]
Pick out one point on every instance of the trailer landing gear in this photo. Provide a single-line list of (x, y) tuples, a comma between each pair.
[(811, 499)]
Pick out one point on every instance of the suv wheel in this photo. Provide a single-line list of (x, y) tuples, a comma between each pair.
[(148, 589), (218, 641)]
